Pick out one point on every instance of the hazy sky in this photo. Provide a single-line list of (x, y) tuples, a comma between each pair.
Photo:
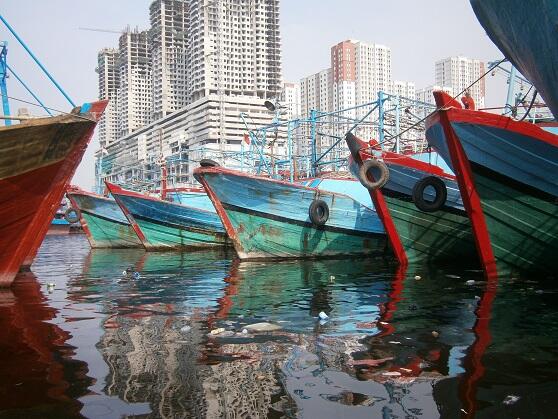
[(419, 32)]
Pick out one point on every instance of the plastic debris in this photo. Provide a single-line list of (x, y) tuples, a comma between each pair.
[(244, 331), (510, 399), (262, 327), (323, 316), (136, 275), (124, 273), (417, 277), (435, 334), (51, 285), (453, 276), (470, 282), (392, 374), (332, 278), (185, 329), (394, 342), (217, 331)]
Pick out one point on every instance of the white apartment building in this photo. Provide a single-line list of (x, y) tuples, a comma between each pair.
[(134, 74), (108, 89), (232, 64), (315, 93), (404, 89), (234, 48), (459, 73), (426, 94), (184, 138), (290, 98), (167, 52)]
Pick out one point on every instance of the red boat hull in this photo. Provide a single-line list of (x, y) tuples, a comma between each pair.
[(31, 196)]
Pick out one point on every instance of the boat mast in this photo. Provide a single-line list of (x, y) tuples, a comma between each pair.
[(3, 75)]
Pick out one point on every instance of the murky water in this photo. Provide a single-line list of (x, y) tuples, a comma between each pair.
[(101, 344)]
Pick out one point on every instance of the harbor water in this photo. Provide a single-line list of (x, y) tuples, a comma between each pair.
[(200, 334)]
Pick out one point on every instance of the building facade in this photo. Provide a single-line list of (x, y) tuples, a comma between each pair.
[(167, 51), (134, 95), (108, 90), (426, 94), (184, 84), (461, 72)]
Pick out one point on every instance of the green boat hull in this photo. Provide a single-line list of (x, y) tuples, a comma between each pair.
[(523, 228), (160, 236), (107, 233), (443, 235), (268, 237)]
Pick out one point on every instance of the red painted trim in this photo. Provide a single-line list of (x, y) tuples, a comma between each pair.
[(199, 174), (474, 370), (52, 201), (82, 221), (114, 190), (457, 114), (383, 213), (469, 195)]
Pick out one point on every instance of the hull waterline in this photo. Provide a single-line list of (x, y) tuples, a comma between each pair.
[(509, 171), (268, 219), (163, 225), (102, 221), (49, 150)]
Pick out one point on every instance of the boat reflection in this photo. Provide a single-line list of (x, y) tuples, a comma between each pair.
[(38, 377)]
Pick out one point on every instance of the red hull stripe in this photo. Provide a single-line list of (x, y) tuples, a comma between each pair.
[(469, 195)]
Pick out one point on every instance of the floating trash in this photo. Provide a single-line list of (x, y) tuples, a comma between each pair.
[(470, 282), (435, 334), (323, 316), (185, 329), (217, 331), (136, 275), (417, 277), (262, 327), (511, 399)]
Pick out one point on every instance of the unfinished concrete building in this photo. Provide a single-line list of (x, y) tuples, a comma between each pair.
[(134, 73), (108, 89), (167, 40)]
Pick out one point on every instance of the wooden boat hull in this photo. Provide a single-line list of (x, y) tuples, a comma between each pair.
[(102, 220), (525, 31), (163, 225), (37, 161), (269, 219), (417, 236), (509, 171)]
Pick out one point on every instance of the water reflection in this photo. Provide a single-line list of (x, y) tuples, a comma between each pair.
[(173, 343)]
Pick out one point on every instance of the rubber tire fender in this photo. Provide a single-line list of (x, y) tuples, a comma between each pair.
[(69, 218), (208, 163), (440, 189), (365, 169), (318, 212)]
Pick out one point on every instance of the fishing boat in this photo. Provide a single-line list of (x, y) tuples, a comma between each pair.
[(37, 161), (507, 171), (102, 220), (419, 204), (166, 225), (268, 218), (525, 31)]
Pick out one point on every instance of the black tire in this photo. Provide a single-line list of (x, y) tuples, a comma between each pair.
[(318, 212), (71, 215), (364, 174), (441, 194), (208, 163)]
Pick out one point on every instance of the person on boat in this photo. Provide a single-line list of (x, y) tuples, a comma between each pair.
[(468, 101)]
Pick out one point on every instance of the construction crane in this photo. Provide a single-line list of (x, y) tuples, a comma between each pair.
[(101, 30)]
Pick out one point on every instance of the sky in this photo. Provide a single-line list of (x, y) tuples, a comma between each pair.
[(418, 33)]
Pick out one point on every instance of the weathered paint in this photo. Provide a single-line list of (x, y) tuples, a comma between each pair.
[(269, 219), (37, 161), (513, 168), (443, 235), (167, 225), (103, 221)]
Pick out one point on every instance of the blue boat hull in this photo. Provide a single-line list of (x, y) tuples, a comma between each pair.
[(270, 219)]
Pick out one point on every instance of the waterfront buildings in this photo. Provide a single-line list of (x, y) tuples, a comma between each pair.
[(108, 89), (183, 84), (459, 73)]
